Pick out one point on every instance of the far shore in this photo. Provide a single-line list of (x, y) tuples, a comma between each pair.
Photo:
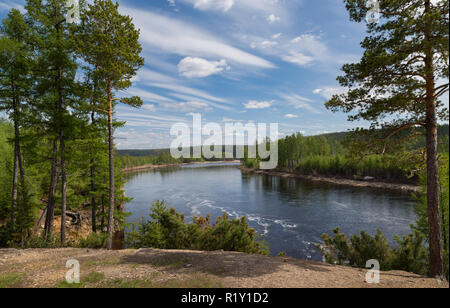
[(148, 167), (404, 188)]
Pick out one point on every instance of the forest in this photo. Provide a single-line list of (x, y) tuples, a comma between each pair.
[(59, 83), (333, 155)]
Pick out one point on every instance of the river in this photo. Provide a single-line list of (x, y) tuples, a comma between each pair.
[(289, 214)]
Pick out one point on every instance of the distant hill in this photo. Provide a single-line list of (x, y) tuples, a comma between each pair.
[(443, 131)]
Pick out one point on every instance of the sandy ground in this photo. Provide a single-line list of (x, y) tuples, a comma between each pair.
[(40, 268)]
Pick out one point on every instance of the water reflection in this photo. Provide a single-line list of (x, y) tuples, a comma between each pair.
[(290, 214)]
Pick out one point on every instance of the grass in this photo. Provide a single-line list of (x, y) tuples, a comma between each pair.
[(91, 278), (10, 280), (94, 277)]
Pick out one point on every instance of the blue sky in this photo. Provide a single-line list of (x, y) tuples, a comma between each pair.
[(236, 60)]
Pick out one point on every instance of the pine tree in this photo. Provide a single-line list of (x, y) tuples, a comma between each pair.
[(15, 82), (397, 84), (55, 91), (111, 44)]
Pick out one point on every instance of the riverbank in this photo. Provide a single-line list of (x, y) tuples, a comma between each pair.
[(152, 268), (404, 188), (149, 167)]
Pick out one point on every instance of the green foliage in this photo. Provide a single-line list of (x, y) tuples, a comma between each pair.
[(35, 241), (10, 280), (129, 161), (167, 230), (421, 225), (94, 241), (94, 277), (410, 255)]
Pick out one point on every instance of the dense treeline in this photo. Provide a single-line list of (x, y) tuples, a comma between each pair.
[(128, 161), (135, 158), (330, 155), (58, 81)]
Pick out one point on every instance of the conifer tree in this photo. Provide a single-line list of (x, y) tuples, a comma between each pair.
[(111, 44), (397, 84), (55, 90), (15, 82)]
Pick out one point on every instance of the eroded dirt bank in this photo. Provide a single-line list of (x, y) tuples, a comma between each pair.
[(185, 269)]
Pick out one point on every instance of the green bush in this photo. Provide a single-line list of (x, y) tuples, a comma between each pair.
[(410, 255), (94, 241), (37, 241), (167, 230)]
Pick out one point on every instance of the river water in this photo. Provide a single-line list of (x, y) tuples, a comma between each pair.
[(289, 214)]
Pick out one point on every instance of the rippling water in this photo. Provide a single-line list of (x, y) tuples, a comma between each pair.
[(290, 214)]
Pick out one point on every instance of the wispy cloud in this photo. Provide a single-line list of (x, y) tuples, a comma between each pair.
[(258, 104), (299, 102), (181, 38)]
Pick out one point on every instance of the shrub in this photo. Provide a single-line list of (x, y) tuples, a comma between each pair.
[(356, 251), (167, 230), (410, 255), (94, 241)]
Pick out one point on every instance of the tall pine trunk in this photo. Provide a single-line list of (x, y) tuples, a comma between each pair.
[(15, 179), (93, 201), (93, 198), (111, 168), (63, 187), (434, 220), (48, 230)]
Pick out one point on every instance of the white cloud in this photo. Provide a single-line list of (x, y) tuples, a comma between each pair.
[(299, 102), (189, 106), (273, 18), (177, 37), (328, 92), (291, 116), (219, 5), (188, 91), (149, 107), (276, 36), (147, 96), (198, 67), (258, 104), (298, 58), (266, 44), (241, 5)]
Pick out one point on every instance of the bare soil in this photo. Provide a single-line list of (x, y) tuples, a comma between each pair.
[(45, 268)]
